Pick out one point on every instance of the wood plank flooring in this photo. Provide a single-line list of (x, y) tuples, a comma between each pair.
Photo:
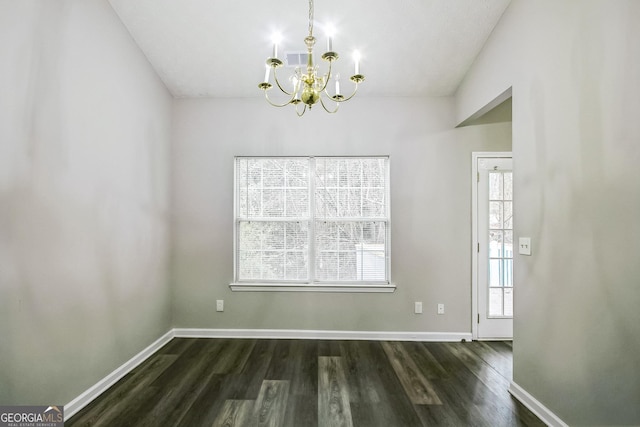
[(307, 383)]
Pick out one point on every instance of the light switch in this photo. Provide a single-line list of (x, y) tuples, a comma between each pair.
[(524, 245)]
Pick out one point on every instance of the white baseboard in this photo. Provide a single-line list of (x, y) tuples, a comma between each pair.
[(321, 335), (101, 386), (542, 412)]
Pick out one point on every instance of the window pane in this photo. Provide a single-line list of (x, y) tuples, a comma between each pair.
[(271, 250), (242, 202), (272, 265), (296, 265), (297, 203), (253, 170), (327, 267), (373, 202), (350, 188), (273, 203), (374, 173), (254, 202), (327, 203), (250, 265), (349, 203), (347, 266), (370, 263), (297, 173), (296, 236), (273, 236), (349, 251), (349, 172), (273, 188), (250, 236), (273, 171), (326, 173)]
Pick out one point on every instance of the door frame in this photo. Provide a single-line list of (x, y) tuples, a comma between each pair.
[(475, 156)]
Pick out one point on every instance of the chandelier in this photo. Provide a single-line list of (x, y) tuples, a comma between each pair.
[(307, 88)]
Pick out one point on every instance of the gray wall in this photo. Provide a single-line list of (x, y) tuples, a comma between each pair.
[(430, 210), (84, 138), (575, 71)]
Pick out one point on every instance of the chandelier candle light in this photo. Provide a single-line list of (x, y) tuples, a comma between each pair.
[(309, 88)]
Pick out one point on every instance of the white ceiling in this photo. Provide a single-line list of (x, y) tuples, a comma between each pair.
[(217, 48)]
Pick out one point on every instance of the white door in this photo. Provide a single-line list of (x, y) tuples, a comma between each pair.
[(494, 248)]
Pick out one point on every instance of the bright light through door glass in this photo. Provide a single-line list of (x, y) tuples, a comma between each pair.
[(500, 244)]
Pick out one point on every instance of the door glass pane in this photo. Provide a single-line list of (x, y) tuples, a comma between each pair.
[(508, 302), (508, 186), (495, 215), (508, 244), (507, 272), (494, 272), (508, 215), (495, 186), (495, 244), (495, 302)]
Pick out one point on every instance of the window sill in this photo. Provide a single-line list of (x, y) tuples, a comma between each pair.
[(288, 287)]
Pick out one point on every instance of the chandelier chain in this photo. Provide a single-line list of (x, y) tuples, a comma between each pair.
[(310, 18)]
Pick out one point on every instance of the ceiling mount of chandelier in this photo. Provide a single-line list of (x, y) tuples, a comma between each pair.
[(307, 87)]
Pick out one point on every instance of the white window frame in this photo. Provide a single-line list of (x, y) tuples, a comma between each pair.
[(312, 285)]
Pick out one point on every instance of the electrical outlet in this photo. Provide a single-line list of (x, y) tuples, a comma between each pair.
[(440, 308), (417, 309), (220, 305)]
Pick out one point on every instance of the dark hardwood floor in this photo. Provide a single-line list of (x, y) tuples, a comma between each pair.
[(300, 383)]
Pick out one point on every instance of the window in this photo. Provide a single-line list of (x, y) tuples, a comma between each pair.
[(312, 220)]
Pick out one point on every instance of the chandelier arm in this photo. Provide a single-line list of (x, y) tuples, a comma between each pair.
[(326, 109), (275, 78), (350, 96), (300, 114), (266, 96)]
